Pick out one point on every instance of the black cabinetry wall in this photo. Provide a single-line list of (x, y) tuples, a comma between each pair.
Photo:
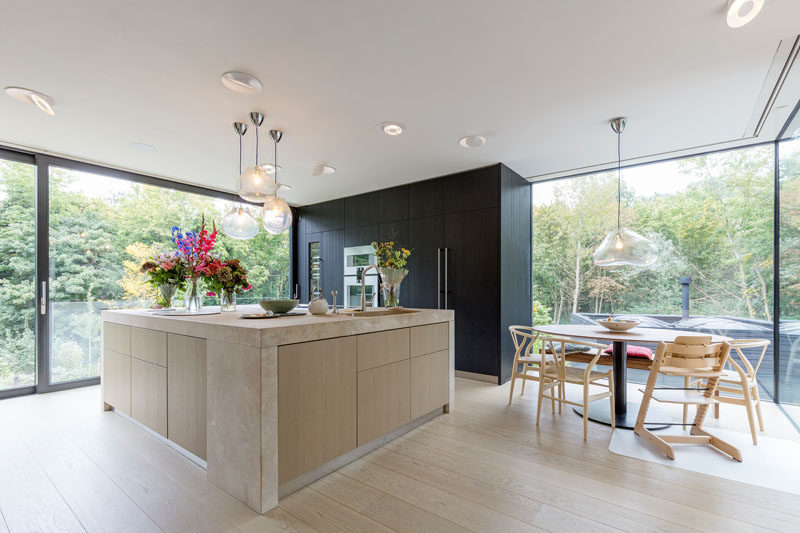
[(470, 234)]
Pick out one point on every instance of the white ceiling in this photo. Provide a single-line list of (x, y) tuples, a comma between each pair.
[(539, 79)]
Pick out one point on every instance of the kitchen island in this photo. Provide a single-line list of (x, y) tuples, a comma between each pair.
[(271, 405)]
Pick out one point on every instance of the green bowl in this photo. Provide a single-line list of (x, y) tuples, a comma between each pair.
[(278, 306)]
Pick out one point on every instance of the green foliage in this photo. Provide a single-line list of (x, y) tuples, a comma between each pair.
[(97, 243)]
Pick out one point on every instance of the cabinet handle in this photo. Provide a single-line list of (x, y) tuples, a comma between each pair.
[(445, 278), (43, 299), (438, 278)]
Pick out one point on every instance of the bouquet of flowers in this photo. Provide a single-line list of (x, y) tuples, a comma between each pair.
[(388, 257), (194, 249), (166, 273), (226, 277)]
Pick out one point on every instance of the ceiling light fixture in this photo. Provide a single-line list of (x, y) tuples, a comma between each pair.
[(239, 223), (277, 215), (270, 168), (255, 184), (142, 147), (472, 141), (623, 246), (29, 96), (322, 169), (741, 12), (241, 82), (391, 128)]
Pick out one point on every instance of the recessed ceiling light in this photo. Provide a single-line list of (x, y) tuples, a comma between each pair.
[(322, 169), (270, 168), (740, 12), (241, 82), (391, 128), (472, 141), (29, 96), (142, 147)]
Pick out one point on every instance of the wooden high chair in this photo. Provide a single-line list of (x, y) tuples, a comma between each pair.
[(696, 358)]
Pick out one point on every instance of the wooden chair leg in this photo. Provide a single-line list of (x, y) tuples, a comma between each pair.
[(561, 393), (685, 406), (585, 408), (748, 405), (542, 383), (525, 372), (513, 379), (611, 399), (758, 407)]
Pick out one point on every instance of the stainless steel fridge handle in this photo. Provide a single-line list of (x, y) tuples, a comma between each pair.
[(43, 299), (445, 278), (438, 278)]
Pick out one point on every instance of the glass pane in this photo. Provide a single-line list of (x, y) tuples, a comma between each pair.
[(102, 229), (712, 219), (789, 153), (17, 274)]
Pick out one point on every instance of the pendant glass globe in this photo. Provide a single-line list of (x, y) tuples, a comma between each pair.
[(277, 215), (256, 185), (625, 247), (239, 223)]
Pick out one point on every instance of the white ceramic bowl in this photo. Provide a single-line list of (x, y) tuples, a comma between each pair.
[(618, 325)]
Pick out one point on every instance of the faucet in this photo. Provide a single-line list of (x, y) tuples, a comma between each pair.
[(363, 290)]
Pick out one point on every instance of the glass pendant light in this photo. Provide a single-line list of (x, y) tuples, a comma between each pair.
[(239, 223), (255, 184), (277, 215), (623, 246)]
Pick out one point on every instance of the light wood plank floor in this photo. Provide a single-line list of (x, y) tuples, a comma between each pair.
[(67, 466)]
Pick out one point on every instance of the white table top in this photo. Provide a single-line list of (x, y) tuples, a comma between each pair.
[(637, 335)]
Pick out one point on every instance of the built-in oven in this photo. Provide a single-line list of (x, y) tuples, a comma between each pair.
[(356, 259)]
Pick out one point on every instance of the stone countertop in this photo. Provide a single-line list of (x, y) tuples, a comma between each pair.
[(229, 327)]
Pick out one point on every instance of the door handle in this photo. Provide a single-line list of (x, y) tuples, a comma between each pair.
[(43, 299), (438, 278), (445, 278)]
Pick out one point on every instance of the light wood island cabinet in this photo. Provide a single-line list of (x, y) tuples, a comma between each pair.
[(273, 405)]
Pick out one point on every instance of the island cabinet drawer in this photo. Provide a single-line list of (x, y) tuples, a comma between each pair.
[(187, 383), (149, 395), (149, 345), (117, 337), (430, 338), (316, 404), (430, 380), (117, 380), (383, 400), (382, 348)]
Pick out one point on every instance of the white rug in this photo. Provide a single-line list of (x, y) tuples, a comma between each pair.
[(773, 463)]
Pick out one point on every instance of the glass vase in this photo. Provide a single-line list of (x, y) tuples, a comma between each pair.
[(192, 299), (227, 301), (165, 293), (391, 280)]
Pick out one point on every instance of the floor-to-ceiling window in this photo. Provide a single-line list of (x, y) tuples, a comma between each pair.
[(17, 275), (100, 226), (711, 217)]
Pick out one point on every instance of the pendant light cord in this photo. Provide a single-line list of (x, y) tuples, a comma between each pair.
[(275, 165), (240, 165), (256, 144), (619, 178)]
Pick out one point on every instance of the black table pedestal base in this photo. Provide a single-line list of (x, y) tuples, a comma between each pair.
[(600, 412)]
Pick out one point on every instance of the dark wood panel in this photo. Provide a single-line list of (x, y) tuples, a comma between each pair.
[(361, 210), (361, 236), (425, 236), (473, 288), (515, 261), (326, 216), (464, 191), (333, 264), (393, 204)]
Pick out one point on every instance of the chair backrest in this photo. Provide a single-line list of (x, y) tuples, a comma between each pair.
[(694, 352), (743, 344), (524, 338), (557, 349)]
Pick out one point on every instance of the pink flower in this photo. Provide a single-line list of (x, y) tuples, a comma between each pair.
[(211, 293), (248, 287)]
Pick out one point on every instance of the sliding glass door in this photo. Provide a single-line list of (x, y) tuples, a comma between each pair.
[(17, 276)]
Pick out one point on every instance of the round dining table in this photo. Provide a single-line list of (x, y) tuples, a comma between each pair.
[(625, 411)]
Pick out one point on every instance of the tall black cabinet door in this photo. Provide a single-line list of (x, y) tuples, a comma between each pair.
[(426, 239), (473, 284)]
